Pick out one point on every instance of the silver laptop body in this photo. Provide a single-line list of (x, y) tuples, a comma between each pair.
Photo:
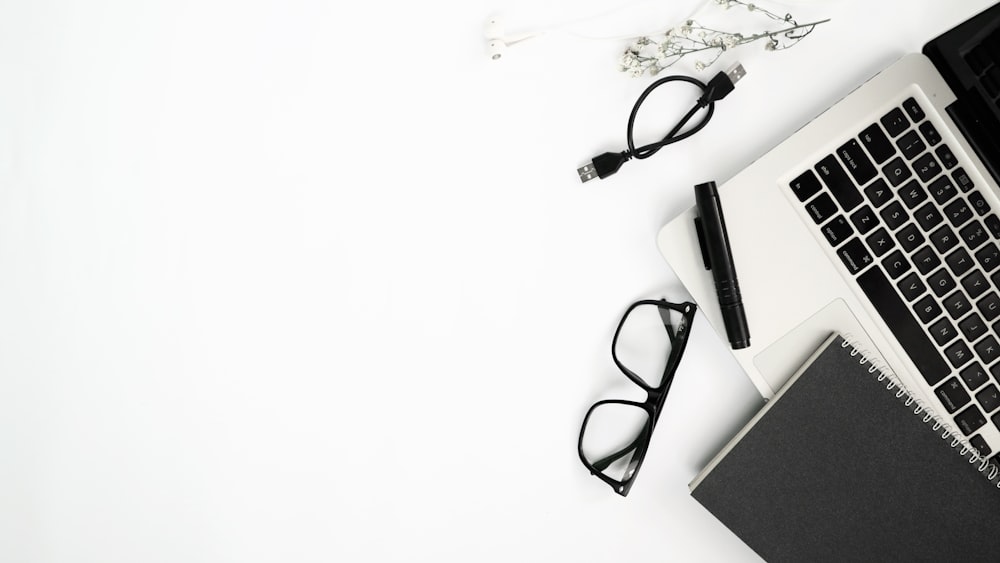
[(807, 268)]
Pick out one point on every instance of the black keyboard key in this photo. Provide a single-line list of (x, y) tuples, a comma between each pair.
[(880, 242), (821, 208), (896, 264), (895, 122), (970, 420), (855, 256), (962, 179), (957, 305), (837, 231), (911, 145), (910, 237), (960, 262), (927, 309), (958, 212), (941, 282), (974, 375), (857, 162), (974, 234), (896, 171), (930, 134), (911, 287), (958, 354), (989, 257), (953, 396), (912, 194), (926, 260), (928, 216), (864, 220), (942, 190), (903, 325), (996, 282), (972, 328), (989, 306), (981, 446), (912, 109), (993, 224), (975, 284), (943, 332), (944, 239), (978, 202), (894, 215), (988, 349), (947, 157), (877, 143), (926, 167), (878, 193), (806, 186), (989, 398), (841, 186)]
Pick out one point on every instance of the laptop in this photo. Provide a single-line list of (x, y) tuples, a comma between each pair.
[(879, 220)]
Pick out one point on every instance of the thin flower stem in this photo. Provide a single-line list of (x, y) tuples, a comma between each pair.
[(652, 55)]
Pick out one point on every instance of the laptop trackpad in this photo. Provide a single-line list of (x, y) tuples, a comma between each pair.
[(780, 360)]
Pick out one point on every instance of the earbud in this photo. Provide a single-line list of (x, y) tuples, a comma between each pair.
[(497, 42), (494, 28), (496, 48)]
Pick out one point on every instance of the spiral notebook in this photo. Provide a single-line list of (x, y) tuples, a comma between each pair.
[(844, 465)]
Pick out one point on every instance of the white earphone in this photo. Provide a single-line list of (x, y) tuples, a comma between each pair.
[(497, 41)]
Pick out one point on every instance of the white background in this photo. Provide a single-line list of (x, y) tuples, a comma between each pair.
[(304, 281)]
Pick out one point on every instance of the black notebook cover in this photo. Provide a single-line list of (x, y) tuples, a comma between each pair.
[(838, 468)]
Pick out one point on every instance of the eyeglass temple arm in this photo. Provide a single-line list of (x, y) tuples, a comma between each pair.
[(604, 462)]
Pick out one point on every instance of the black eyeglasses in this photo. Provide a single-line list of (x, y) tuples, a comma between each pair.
[(647, 347)]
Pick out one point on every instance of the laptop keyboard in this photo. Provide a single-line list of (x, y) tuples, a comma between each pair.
[(921, 242)]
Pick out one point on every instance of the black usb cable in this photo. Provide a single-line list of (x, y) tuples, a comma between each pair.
[(717, 88)]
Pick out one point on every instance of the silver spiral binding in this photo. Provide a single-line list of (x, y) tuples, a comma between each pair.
[(930, 418)]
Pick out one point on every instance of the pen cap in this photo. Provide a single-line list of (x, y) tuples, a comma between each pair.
[(712, 229), (715, 238)]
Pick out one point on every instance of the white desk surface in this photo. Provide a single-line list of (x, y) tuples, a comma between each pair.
[(288, 281)]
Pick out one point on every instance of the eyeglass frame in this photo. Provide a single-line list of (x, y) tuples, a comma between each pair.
[(655, 396)]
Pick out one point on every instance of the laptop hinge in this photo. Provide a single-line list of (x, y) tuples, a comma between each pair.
[(980, 127)]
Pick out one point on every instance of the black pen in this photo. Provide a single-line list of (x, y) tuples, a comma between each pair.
[(718, 256)]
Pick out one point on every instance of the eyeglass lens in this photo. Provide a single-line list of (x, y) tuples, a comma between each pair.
[(645, 341), (614, 434)]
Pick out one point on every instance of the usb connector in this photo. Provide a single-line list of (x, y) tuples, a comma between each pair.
[(602, 166), (723, 83), (717, 88), (735, 73)]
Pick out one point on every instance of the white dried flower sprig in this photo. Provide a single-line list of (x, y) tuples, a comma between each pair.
[(653, 54)]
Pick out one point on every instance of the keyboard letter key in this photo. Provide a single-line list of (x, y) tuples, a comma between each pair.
[(896, 171)]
